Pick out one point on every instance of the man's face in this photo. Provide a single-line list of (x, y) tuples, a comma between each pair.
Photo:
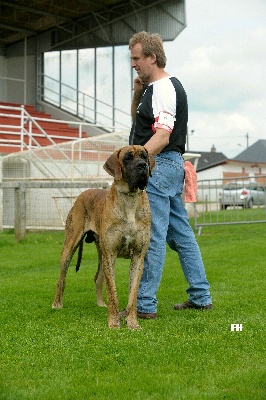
[(141, 64)]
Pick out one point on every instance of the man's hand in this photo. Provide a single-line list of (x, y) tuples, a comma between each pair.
[(138, 89), (138, 85)]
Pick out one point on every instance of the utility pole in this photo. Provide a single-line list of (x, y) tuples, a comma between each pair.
[(247, 136), (192, 131)]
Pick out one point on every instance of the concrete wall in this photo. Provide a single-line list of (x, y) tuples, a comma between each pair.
[(3, 73), (19, 63)]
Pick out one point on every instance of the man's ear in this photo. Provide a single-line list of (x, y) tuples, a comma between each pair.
[(153, 58), (113, 167)]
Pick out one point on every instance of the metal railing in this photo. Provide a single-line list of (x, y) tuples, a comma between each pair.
[(82, 105), (29, 128), (25, 135), (230, 201)]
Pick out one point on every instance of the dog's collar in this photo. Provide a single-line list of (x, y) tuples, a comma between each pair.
[(136, 191), (139, 192)]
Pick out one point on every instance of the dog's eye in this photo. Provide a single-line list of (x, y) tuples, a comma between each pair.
[(144, 156), (128, 157)]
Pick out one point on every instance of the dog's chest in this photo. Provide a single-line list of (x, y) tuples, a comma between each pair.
[(130, 235), (127, 225), (126, 246)]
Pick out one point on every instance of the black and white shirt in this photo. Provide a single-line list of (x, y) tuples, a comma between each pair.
[(166, 95)]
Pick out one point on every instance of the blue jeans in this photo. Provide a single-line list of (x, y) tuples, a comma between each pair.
[(170, 224)]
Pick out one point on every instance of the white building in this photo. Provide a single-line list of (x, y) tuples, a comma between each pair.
[(214, 170), (251, 162)]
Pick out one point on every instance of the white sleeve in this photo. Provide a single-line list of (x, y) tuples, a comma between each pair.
[(164, 97)]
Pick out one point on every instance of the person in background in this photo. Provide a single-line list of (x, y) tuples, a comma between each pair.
[(160, 113)]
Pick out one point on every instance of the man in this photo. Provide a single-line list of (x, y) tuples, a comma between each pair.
[(159, 112)]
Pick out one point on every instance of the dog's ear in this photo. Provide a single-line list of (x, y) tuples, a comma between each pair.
[(151, 162), (113, 167)]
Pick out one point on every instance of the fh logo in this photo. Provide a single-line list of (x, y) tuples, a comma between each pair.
[(236, 327)]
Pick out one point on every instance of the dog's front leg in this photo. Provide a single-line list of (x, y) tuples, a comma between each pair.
[(108, 263), (136, 269)]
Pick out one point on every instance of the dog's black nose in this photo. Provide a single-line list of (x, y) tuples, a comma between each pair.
[(141, 165)]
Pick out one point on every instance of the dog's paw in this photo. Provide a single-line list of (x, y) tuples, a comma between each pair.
[(101, 303), (113, 325), (114, 322), (123, 314), (57, 306), (133, 325)]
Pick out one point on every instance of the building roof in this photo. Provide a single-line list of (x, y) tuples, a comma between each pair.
[(208, 159), (255, 153), (88, 23)]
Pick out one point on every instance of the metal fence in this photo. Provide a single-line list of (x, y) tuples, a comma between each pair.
[(230, 201), (44, 205), (39, 187), (40, 205)]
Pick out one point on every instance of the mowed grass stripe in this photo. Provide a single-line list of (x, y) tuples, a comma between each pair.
[(71, 354)]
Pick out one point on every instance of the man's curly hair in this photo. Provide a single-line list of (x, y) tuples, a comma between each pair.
[(151, 44)]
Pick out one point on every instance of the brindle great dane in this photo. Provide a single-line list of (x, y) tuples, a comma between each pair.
[(118, 220)]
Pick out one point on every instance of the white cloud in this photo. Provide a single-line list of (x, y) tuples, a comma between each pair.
[(224, 131), (220, 58)]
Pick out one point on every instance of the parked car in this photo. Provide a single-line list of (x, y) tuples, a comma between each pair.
[(236, 194)]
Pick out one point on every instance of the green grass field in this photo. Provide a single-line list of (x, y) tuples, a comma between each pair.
[(70, 354)]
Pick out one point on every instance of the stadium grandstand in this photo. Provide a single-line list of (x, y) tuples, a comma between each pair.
[(65, 94)]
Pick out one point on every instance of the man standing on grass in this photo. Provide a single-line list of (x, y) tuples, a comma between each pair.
[(159, 112)]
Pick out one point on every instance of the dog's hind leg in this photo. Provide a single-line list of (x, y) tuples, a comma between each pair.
[(99, 278), (66, 257), (72, 241)]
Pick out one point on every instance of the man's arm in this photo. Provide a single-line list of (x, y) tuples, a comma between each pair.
[(158, 141), (163, 125), (138, 89), (135, 103)]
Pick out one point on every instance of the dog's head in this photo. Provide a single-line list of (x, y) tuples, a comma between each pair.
[(132, 164)]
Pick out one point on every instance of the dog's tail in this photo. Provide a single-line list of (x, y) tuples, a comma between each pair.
[(89, 239), (79, 255)]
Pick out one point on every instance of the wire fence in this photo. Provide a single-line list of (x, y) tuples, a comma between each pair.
[(40, 186), (231, 201), (39, 205)]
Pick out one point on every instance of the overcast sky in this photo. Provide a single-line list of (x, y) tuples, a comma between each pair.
[(220, 58)]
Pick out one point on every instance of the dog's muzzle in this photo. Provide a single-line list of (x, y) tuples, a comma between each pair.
[(139, 176), (142, 165)]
